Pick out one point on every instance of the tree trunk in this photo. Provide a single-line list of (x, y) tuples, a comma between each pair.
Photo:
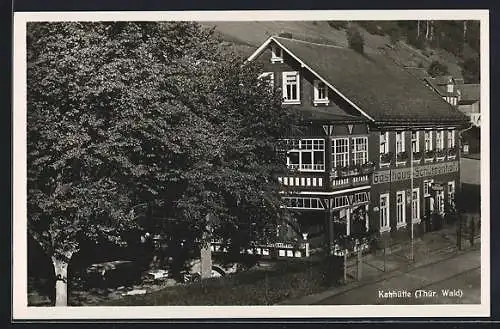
[(426, 30), (61, 271), (418, 29)]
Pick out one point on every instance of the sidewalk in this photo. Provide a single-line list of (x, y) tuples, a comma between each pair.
[(433, 249)]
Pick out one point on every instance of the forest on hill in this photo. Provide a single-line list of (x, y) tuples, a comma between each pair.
[(420, 43)]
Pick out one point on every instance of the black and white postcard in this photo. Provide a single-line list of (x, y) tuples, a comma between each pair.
[(264, 164)]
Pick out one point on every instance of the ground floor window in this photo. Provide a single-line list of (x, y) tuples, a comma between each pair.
[(415, 210), (400, 208), (427, 187), (451, 193), (384, 212), (440, 202)]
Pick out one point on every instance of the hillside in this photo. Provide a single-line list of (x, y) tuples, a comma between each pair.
[(245, 37)]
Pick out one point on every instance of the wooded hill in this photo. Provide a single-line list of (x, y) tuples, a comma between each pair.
[(409, 43)]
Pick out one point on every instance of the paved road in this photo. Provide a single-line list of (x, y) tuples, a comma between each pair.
[(460, 274)]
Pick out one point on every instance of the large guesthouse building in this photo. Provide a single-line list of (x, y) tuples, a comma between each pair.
[(376, 151)]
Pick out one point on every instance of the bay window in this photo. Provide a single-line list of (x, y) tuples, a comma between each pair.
[(307, 155), (291, 87), (340, 152), (360, 150)]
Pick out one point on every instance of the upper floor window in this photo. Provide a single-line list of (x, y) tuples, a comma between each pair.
[(428, 140), (451, 139), (320, 92), (359, 150), (340, 152), (384, 142), (307, 155), (450, 88), (400, 141), (415, 145), (439, 140), (269, 76), (276, 54), (291, 87)]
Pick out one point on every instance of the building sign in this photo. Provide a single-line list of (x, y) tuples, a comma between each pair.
[(394, 175)]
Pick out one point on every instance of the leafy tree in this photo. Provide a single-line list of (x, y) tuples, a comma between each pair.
[(437, 68), (142, 124), (471, 70), (355, 40)]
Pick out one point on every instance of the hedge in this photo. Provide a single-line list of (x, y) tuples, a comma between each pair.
[(288, 280)]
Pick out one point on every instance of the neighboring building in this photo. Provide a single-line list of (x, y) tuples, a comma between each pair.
[(469, 102), (364, 119), (446, 86)]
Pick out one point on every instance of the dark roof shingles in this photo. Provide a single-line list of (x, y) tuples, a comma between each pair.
[(383, 90)]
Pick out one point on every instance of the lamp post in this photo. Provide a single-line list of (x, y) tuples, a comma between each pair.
[(411, 201)]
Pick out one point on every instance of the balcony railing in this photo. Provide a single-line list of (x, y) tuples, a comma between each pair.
[(429, 156), (307, 167), (401, 158), (277, 249)]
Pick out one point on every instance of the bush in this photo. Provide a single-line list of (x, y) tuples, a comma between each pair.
[(338, 24), (437, 69), (256, 287), (355, 39)]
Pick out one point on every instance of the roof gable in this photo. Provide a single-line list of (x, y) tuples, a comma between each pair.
[(374, 85)]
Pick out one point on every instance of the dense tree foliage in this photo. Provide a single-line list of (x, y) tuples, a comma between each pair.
[(142, 124), (355, 40), (471, 70), (437, 68)]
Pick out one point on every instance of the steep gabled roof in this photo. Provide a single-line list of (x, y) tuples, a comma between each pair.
[(470, 92), (376, 86)]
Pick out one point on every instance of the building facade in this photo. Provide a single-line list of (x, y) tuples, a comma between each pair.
[(376, 153)]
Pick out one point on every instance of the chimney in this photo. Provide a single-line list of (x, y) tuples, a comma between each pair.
[(287, 35)]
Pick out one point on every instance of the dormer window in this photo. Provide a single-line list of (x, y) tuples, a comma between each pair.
[(276, 54), (450, 88), (320, 92), (291, 87)]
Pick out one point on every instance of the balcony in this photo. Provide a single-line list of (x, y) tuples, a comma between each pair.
[(417, 158), (429, 156), (452, 153), (401, 159), (295, 249), (386, 159), (441, 154)]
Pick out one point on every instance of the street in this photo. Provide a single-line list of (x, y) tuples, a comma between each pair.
[(458, 277)]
